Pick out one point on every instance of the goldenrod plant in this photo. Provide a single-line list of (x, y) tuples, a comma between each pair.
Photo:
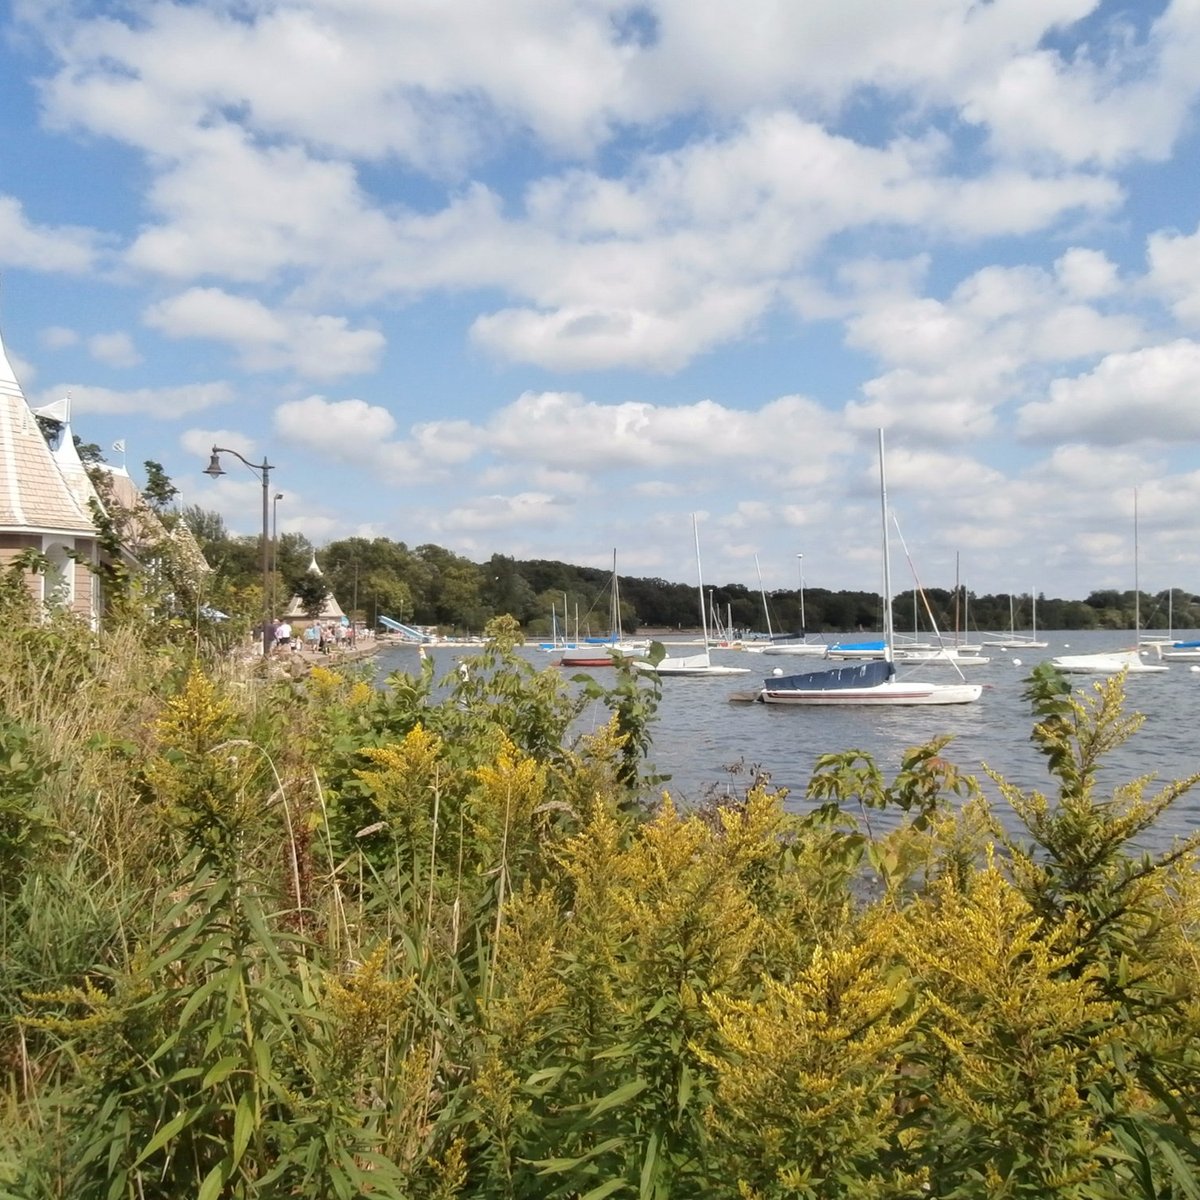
[(324, 935)]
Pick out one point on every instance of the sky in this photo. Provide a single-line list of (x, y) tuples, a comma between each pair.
[(544, 278)]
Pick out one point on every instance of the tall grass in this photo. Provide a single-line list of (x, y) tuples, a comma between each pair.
[(266, 936)]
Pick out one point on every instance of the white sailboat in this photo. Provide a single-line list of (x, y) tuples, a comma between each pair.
[(1113, 662), (599, 652), (1173, 650), (797, 643), (872, 682), (692, 665), (1020, 641), (929, 654)]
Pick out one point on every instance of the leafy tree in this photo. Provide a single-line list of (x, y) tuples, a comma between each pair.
[(312, 591), (158, 489), (89, 453)]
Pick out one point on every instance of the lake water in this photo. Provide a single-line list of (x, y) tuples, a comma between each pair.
[(700, 735)]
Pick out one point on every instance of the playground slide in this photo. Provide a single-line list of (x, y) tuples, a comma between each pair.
[(407, 631)]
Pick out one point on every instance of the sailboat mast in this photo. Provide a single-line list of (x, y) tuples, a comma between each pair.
[(614, 620), (887, 562), (957, 593), (803, 623), (1137, 587), (700, 582), (762, 592)]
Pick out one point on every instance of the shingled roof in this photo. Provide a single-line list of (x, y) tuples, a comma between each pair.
[(34, 495)]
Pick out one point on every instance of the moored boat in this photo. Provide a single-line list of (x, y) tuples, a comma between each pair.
[(873, 682)]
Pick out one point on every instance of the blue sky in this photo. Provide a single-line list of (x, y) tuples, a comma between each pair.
[(545, 277)]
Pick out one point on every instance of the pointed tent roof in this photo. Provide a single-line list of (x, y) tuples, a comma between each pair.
[(35, 496), (331, 610), (67, 457)]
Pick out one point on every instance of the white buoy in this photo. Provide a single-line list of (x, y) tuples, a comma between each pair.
[(1016, 662), (1194, 668), (777, 671)]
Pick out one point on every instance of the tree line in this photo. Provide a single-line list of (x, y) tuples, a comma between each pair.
[(429, 585)]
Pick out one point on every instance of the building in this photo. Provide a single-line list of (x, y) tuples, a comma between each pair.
[(43, 511), (331, 610), (47, 504)]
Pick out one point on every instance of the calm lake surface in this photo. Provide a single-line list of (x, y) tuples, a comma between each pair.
[(701, 738)]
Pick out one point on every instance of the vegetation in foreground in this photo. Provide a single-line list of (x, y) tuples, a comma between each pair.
[(318, 938)]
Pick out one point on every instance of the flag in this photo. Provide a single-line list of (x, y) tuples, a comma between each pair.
[(119, 446)]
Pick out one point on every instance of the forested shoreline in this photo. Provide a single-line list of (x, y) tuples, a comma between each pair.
[(429, 585)]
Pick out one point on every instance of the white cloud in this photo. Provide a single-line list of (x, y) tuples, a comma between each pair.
[(24, 244), (954, 365), (58, 337), (199, 442), (521, 510), (315, 347), (1147, 394), (357, 433), (160, 404), (574, 432), (1086, 274), (255, 174), (114, 349), (1174, 273), (426, 85), (1088, 108)]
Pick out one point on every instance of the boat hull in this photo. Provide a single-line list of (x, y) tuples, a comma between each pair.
[(1112, 663), (601, 655), (667, 670), (893, 692), (807, 649), (922, 658)]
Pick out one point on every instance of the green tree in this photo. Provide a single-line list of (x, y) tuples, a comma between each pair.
[(312, 591), (159, 490)]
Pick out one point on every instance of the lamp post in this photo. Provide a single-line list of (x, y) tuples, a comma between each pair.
[(264, 469), (274, 542), (354, 603), (803, 624)]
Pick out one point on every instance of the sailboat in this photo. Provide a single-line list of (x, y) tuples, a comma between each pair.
[(1020, 641), (692, 665), (796, 643), (924, 654), (1171, 649), (1113, 662), (872, 682), (557, 642), (599, 652)]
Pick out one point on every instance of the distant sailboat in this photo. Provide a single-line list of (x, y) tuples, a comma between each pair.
[(797, 643), (874, 682), (1020, 641), (599, 652), (1113, 662), (692, 665)]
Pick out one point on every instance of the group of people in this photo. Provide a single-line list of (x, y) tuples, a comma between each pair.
[(322, 637)]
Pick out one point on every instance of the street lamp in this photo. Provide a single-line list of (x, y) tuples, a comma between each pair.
[(800, 564), (354, 603), (274, 542), (264, 469)]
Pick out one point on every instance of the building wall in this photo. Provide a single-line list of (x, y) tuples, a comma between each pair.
[(75, 585)]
